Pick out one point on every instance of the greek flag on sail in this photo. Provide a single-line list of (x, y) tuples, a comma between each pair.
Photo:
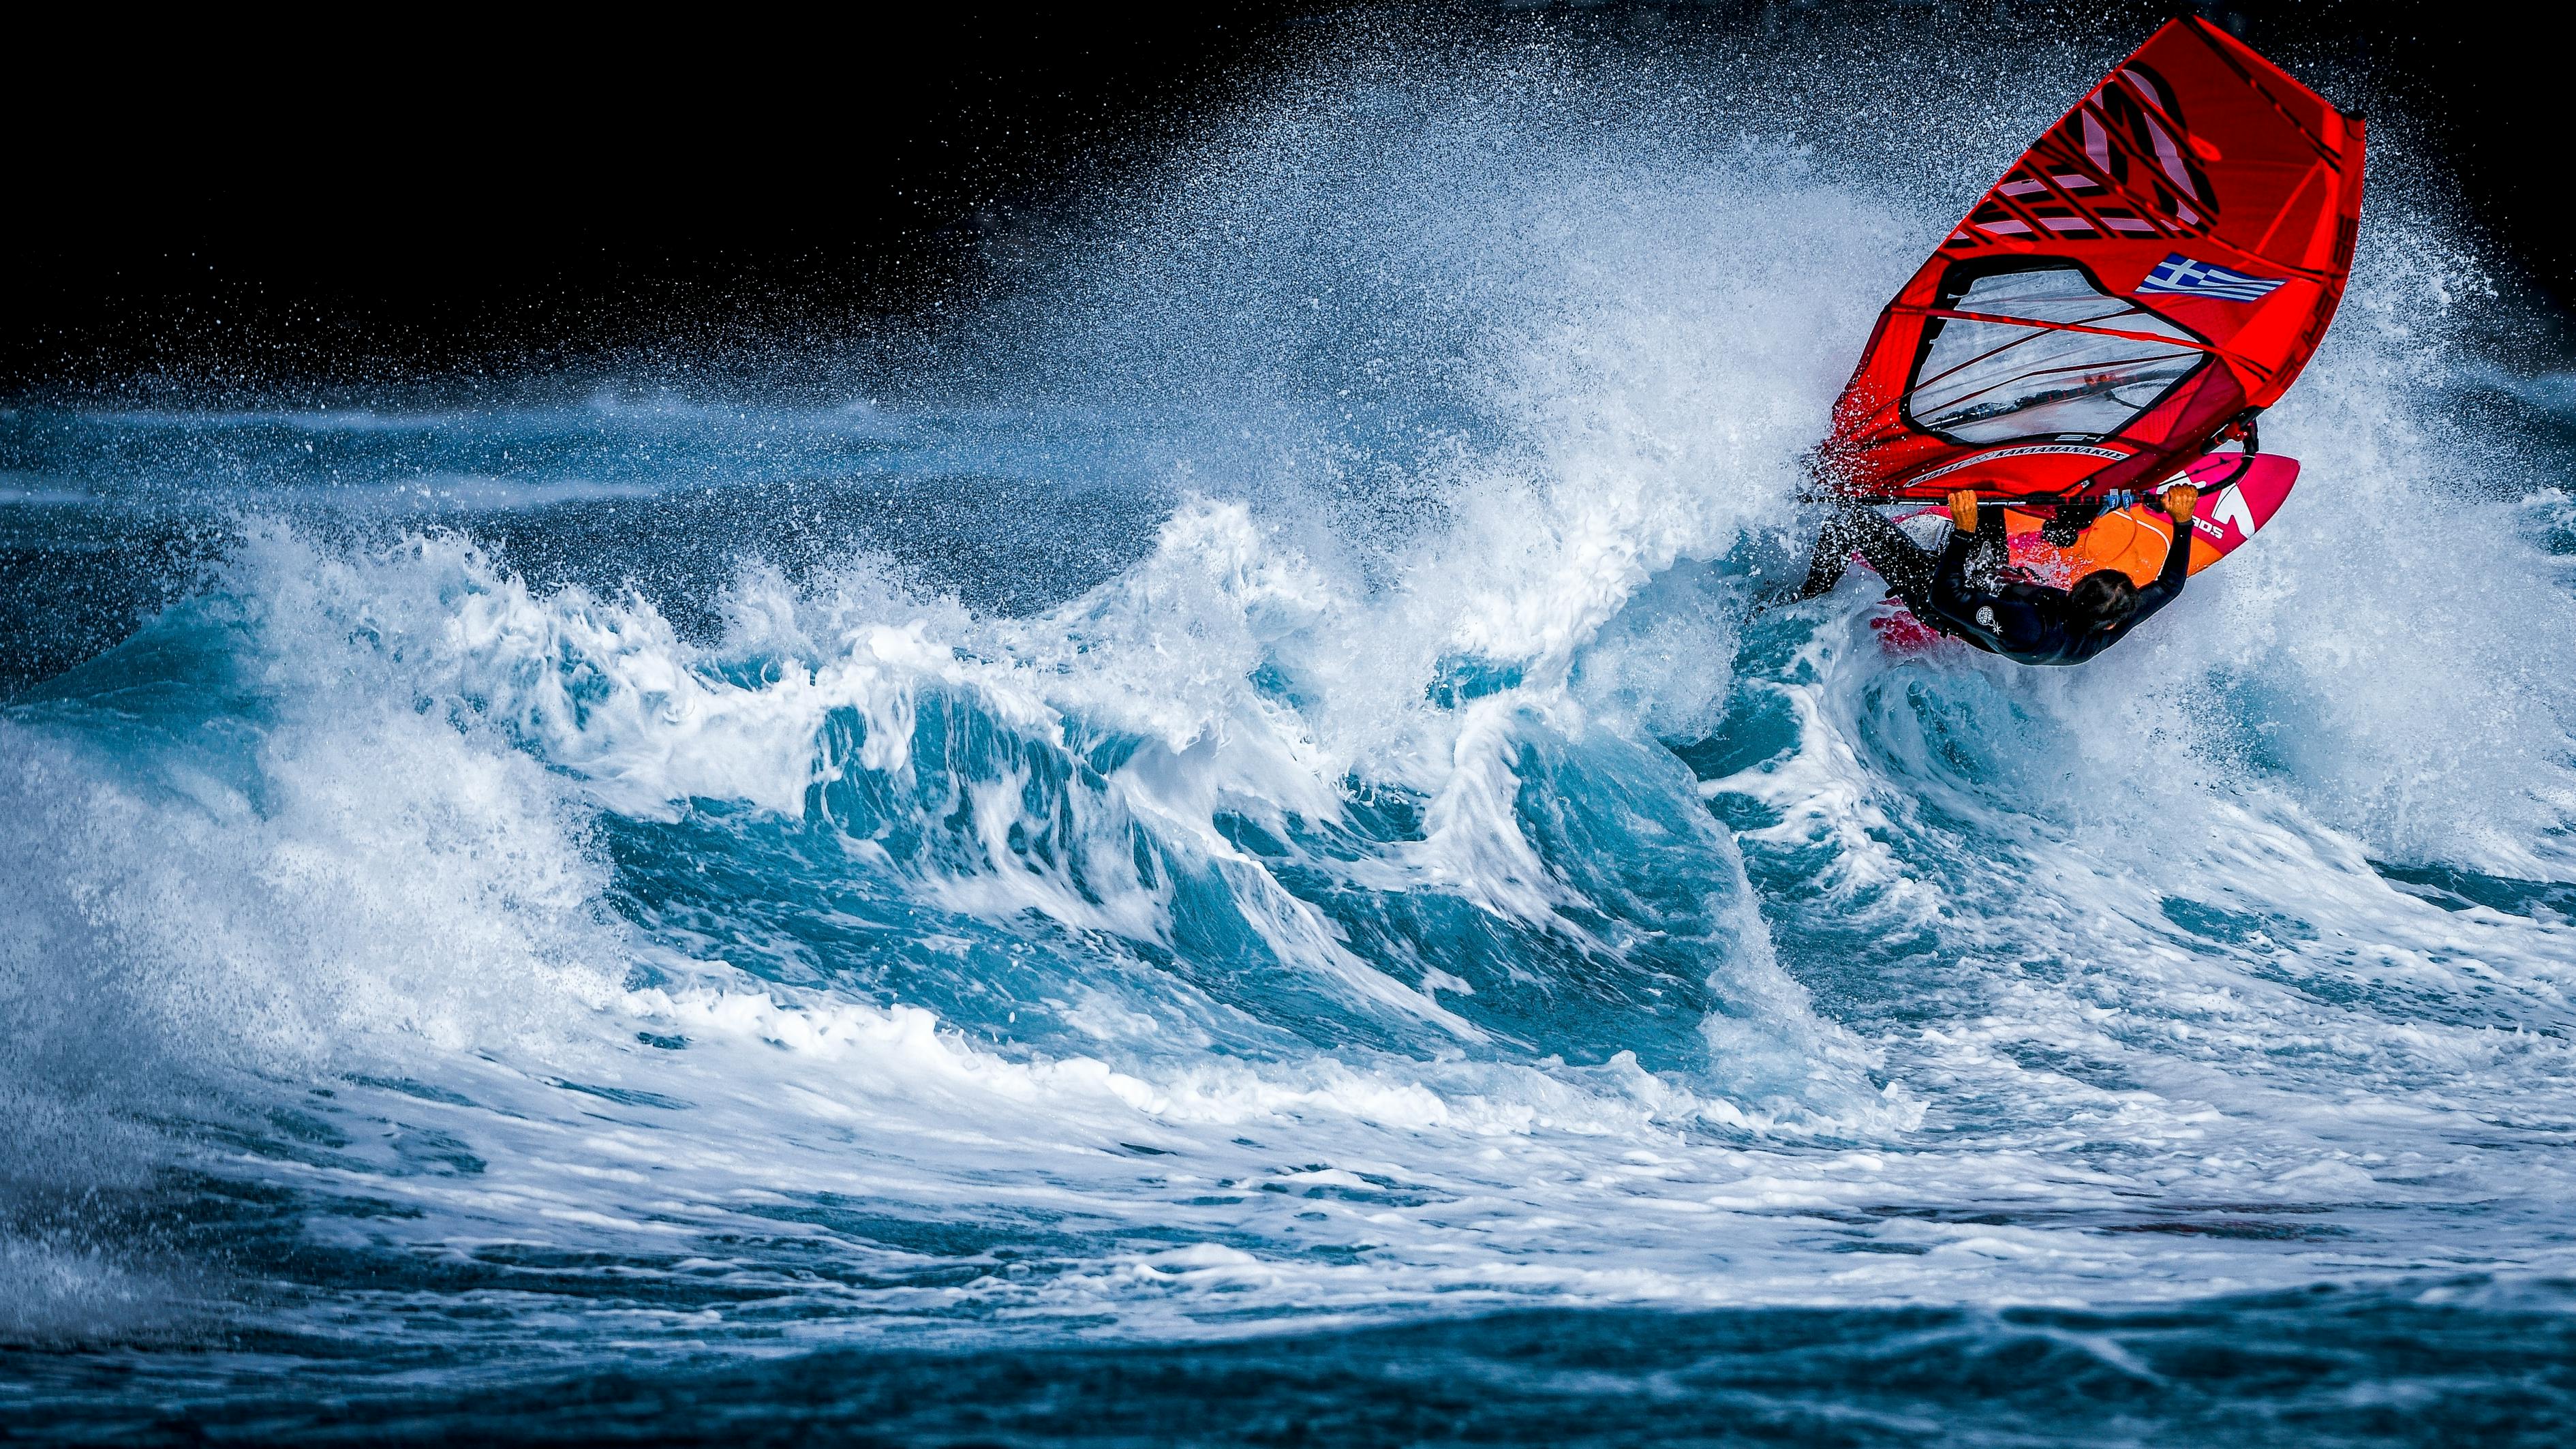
[(2179, 273)]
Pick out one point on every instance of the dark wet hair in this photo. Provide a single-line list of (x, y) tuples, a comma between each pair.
[(2104, 596)]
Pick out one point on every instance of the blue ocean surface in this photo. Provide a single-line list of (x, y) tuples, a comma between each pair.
[(1225, 859)]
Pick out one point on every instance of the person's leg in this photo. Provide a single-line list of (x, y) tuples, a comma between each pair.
[(1905, 564), (1833, 551)]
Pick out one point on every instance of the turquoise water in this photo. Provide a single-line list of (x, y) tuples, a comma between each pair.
[(1232, 868)]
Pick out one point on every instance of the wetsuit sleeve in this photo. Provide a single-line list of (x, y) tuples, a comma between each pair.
[(2169, 580), (1991, 621), (1950, 574)]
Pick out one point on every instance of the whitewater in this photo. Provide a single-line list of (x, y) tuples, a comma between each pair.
[(1231, 818)]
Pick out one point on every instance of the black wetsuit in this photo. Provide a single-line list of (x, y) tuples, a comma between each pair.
[(2027, 622)]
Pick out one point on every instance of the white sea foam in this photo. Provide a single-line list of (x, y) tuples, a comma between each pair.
[(710, 952)]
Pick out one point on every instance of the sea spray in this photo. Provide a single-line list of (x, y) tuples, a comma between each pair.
[(1255, 801)]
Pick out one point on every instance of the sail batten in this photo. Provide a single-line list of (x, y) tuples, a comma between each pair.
[(2162, 261), (2055, 326)]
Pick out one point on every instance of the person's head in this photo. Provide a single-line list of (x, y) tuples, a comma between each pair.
[(2102, 598)]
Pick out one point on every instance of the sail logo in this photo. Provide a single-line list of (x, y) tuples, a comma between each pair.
[(2181, 275), (2024, 451), (2229, 516), (2233, 511)]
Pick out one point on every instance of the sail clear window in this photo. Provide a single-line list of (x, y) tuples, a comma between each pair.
[(1990, 382)]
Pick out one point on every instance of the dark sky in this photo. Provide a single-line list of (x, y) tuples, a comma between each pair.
[(218, 204)]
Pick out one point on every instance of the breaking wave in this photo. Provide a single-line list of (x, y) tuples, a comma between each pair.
[(1258, 799)]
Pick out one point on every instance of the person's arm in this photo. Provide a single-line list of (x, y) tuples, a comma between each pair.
[(1950, 591), (2181, 502), (1982, 617)]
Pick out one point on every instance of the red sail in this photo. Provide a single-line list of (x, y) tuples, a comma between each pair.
[(2164, 259)]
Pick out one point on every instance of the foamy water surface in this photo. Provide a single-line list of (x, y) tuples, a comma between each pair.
[(1248, 829)]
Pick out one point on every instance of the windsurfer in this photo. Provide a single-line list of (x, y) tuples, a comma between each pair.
[(1968, 591), (2153, 272)]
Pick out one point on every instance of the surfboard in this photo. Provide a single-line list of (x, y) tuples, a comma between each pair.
[(2156, 269), (2239, 494)]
